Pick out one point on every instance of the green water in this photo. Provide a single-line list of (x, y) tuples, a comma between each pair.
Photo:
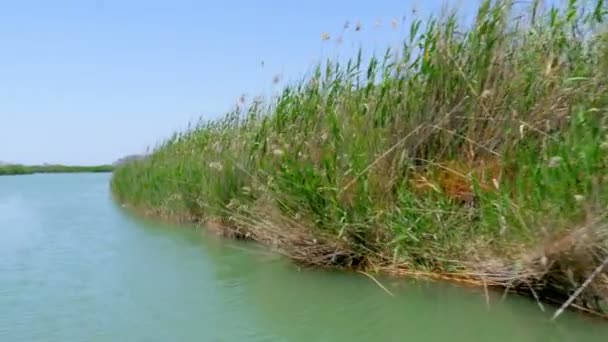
[(74, 267)]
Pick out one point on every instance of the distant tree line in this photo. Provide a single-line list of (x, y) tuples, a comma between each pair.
[(18, 169)]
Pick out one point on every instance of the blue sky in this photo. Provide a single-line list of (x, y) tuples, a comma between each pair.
[(89, 81)]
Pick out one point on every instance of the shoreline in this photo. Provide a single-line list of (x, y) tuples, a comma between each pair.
[(17, 169), (396, 271)]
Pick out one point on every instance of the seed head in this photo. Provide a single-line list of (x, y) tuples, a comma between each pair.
[(496, 183), (486, 93), (216, 166), (555, 161), (394, 24)]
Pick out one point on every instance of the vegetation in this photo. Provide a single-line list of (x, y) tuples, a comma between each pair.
[(17, 169), (476, 152)]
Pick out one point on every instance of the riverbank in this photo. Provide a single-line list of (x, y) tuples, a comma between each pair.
[(17, 169), (477, 154)]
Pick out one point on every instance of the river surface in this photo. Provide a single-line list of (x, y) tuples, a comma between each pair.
[(75, 267)]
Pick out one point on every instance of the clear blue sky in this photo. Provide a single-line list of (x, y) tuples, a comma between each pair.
[(89, 81)]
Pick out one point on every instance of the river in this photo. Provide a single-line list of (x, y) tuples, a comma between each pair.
[(75, 267)]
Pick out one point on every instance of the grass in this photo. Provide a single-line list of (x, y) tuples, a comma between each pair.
[(17, 169), (475, 152)]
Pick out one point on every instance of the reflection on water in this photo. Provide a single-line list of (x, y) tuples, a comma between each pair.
[(74, 267)]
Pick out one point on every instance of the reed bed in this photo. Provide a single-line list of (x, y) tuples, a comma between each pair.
[(475, 152)]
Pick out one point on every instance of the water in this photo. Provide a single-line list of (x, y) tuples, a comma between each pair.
[(74, 267)]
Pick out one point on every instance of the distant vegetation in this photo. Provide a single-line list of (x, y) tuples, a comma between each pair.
[(16, 169), (128, 158), (476, 153)]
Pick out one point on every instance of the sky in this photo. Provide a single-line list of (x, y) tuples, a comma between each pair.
[(90, 81)]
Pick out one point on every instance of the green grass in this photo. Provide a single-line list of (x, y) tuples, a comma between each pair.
[(474, 152), (17, 169)]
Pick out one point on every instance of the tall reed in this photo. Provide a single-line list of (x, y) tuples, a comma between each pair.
[(477, 152)]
